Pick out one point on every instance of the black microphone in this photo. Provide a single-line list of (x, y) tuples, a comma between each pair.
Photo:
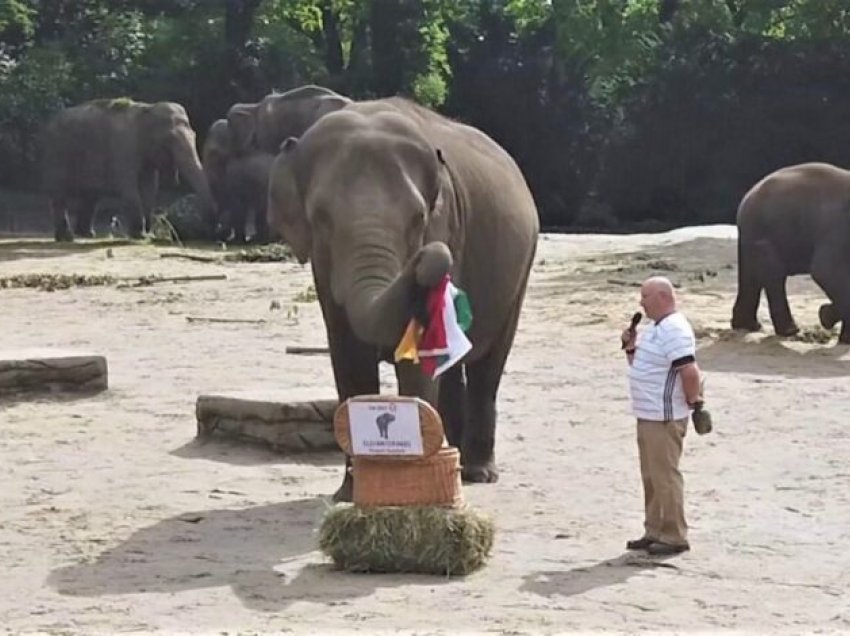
[(636, 318)]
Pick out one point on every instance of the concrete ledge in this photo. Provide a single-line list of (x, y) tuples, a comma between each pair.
[(50, 371), (286, 427)]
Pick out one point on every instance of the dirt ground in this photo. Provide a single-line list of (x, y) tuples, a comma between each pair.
[(115, 520)]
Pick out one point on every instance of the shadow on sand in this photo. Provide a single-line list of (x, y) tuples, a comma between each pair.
[(239, 453), (12, 249), (603, 574), (734, 352), (250, 550)]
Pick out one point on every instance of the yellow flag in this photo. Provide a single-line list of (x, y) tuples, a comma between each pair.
[(408, 347)]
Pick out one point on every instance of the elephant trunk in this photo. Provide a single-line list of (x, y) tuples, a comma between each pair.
[(190, 169), (379, 302)]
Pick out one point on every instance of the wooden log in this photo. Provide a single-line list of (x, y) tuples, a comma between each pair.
[(50, 371), (306, 351), (285, 427)]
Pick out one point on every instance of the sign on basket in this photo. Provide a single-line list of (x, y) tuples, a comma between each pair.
[(385, 428)]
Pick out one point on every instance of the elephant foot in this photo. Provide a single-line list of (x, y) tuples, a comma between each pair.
[(743, 324), (786, 331), (480, 473), (63, 236), (345, 493), (84, 233), (828, 316)]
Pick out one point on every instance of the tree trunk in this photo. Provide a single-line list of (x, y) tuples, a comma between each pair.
[(333, 46), (240, 65)]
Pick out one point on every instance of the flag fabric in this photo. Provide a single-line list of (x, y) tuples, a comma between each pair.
[(440, 343)]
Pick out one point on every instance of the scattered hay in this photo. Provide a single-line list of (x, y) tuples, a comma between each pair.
[(814, 335), (307, 295), (662, 265), (272, 253), (423, 539), (52, 282), (115, 103)]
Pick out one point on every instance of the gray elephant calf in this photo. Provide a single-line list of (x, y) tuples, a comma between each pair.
[(385, 198), (117, 147), (794, 221)]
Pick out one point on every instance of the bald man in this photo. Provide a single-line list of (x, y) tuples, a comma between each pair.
[(664, 381)]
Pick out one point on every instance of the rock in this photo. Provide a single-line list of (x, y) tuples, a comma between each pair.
[(51, 370), (284, 426)]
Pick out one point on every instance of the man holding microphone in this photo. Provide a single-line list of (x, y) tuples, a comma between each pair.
[(664, 382)]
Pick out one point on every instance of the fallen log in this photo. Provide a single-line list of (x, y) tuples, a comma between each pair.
[(191, 257), (247, 321), (145, 281), (285, 427), (51, 371), (306, 351)]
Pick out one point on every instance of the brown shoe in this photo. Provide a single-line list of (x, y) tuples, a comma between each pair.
[(659, 548), (640, 544)]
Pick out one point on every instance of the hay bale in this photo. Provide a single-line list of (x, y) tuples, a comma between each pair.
[(50, 370), (266, 420), (422, 539)]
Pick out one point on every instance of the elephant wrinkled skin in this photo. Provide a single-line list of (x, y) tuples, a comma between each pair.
[(795, 221), (278, 116), (238, 150), (239, 184), (385, 198), (117, 148)]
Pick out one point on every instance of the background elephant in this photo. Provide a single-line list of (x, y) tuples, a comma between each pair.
[(247, 184), (215, 154), (239, 183), (117, 147), (794, 221), (384, 198), (266, 124)]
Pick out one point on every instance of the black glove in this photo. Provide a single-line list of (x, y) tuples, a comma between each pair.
[(701, 419)]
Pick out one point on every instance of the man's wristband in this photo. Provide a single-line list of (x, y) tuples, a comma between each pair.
[(630, 351)]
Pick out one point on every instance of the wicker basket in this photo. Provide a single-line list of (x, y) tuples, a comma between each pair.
[(429, 422), (424, 481)]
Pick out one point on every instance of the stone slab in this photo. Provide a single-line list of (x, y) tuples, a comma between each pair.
[(284, 426), (51, 371)]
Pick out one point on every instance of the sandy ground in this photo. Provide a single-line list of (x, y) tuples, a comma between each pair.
[(114, 520)]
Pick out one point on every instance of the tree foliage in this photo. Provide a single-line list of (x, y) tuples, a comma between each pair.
[(615, 109)]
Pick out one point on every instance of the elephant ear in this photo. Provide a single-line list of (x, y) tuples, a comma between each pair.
[(242, 121), (285, 208), (444, 215)]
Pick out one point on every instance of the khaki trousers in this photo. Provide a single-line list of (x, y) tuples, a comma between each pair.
[(660, 448)]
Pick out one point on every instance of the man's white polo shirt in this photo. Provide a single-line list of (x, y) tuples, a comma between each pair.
[(654, 382)]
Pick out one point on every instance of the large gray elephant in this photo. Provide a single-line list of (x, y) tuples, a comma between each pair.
[(215, 153), (795, 221), (278, 116), (239, 184), (247, 184), (117, 147), (385, 198)]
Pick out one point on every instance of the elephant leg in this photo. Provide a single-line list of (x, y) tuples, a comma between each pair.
[(452, 404), (84, 213), (745, 310), (238, 218), (355, 368), (148, 187), (772, 271), (261, 225), (482, 385), (134, 214), (61, 227), (412, 382), (830, 278)]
